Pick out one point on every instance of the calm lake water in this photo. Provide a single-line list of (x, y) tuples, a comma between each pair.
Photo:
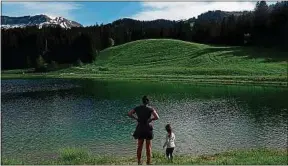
[(39, 117)]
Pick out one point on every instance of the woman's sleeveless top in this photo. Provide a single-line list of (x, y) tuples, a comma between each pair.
[(143, 113)]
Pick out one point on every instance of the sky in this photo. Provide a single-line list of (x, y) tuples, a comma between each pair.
[(90, 13)]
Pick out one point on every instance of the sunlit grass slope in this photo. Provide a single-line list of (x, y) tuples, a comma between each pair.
[(174, 57), (175, 60)]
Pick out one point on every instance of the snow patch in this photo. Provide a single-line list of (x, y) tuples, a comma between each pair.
[(62, 22)]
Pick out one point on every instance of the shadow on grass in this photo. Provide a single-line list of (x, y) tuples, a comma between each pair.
[(269, 54)]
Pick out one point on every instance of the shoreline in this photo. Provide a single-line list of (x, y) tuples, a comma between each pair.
[(276, 81), (74, 156)]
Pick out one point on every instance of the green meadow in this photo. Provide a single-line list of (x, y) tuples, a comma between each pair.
[(175, 60)]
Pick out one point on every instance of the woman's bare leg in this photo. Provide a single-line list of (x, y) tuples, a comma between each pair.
[(139, 150), (148, 150)]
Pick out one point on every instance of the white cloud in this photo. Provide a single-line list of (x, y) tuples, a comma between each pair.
[(52, 9), (185, 10)]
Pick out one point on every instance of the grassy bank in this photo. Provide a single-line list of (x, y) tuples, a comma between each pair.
[(252, 157), (245, 80), (174, 60)]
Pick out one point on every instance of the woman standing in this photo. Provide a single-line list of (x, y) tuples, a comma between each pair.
[(144, 130)]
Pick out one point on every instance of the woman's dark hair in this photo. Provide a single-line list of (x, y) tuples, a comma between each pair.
[(168, 128), (145, 100)]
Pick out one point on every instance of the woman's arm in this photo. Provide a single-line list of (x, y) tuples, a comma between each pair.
[(155, 116), (131, 114)]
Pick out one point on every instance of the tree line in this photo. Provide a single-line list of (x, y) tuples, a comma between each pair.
[(32, 47)]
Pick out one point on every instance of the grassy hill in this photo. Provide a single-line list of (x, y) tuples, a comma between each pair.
[(173, 57), (175, 60)]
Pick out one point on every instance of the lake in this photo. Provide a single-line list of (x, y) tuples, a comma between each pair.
[(42, 116)]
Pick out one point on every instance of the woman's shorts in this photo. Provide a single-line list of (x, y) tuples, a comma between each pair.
[(143, 132)]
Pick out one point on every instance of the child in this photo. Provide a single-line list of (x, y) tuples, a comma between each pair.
[(170, 138)]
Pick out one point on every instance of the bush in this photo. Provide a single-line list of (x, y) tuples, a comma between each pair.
[(28, 62), (79, 63), (95, 55), (111, 42), (41, 66), (53, 65)]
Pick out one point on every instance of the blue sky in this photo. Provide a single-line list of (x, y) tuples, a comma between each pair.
[(88, 13)]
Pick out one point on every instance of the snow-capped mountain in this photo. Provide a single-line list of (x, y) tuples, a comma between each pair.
[(38, 20)]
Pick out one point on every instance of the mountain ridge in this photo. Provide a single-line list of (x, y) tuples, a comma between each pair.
[(44, 20), (37, 20)]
